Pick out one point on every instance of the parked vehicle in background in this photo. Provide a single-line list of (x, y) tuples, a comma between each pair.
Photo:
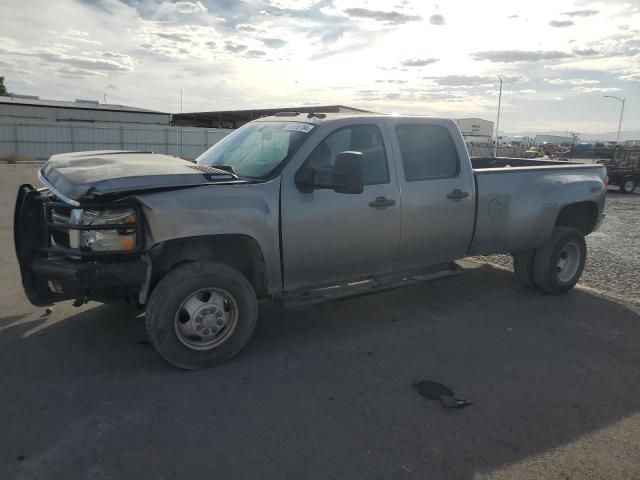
[(297, 209), (624, 169), (534, 152)]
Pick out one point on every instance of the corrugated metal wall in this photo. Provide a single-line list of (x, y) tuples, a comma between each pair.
[(41, 140), (20, 113)]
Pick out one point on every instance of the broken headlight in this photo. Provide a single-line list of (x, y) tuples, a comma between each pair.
[(121, 238)]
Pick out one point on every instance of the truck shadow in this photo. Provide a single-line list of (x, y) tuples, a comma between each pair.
[(327, 390)]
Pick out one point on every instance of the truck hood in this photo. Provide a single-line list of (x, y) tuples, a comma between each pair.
[(91, 174)]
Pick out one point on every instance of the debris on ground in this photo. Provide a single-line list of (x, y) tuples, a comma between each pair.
[(436, 391), (452, 402)]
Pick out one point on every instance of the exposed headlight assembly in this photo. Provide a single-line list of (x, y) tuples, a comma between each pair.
[(121, 238)]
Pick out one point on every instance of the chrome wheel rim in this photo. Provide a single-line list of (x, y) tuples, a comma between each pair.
[(568, 262), (628, 185), (206, 319)]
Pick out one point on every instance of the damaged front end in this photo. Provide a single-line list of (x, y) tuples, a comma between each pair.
[(77, 250)]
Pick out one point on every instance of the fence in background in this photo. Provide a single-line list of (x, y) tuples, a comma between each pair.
[(41, 140), (485, 150), (590, 151)]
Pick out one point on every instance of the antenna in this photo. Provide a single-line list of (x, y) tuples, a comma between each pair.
[(495, 147)]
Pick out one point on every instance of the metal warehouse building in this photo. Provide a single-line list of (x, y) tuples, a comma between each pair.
[(36, 129), (237, 118), (29, 109), (475, 129)]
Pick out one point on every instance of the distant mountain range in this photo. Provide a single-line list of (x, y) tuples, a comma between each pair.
[(607, 136)]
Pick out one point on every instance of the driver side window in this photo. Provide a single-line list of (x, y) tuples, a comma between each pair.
[(365, 139)]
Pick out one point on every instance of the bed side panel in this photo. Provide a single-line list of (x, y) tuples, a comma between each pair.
[(518, 208)]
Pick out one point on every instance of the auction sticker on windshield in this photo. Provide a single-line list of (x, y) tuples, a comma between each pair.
[(299, 127)]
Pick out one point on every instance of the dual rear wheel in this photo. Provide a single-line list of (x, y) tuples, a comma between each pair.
[(555, 267)]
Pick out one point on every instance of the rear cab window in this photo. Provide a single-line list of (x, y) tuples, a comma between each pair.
[(427, 152)]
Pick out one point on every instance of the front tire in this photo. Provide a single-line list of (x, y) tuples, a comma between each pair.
[(559, 263), (628, 185), (201, 314)]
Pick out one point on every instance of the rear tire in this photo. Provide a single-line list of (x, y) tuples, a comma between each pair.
[(559, 263), (628, 185), (201, 314), (523, 267)]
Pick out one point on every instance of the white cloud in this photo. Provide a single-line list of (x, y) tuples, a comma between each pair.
[(634, 76), (524, 91), (294, 4), (571, 81), (596, 89), (79, 37), (183, 7)]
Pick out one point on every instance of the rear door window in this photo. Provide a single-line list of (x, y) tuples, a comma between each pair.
[(427, 152)]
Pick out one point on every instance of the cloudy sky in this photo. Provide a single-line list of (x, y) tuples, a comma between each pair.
[(557, 57)]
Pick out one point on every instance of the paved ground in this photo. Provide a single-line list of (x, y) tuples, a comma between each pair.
[(326, 392)]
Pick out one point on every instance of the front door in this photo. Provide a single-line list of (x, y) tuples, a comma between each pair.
[(328, 236)]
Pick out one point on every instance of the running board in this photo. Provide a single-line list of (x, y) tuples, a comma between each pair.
[(365, 286)]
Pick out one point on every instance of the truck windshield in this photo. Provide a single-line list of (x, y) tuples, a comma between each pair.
[(256, 149)]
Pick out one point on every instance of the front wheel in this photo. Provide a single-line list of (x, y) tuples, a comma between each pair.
[(201, 314), (559, 263)]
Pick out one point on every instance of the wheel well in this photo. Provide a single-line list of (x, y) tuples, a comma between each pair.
[(583, 216), (238, 251)]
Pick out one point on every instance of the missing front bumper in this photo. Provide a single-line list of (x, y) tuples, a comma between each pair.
[(66, 278), (49, 276)]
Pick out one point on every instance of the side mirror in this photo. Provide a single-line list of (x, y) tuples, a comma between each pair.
[(348, 173), (305, 179)]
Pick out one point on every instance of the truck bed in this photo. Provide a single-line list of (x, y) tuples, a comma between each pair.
[(519, 200), (501, 162)]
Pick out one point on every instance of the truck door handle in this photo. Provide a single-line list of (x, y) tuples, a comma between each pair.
[(457, 194), (382, 202)]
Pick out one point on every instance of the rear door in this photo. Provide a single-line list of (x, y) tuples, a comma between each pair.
[(438, 191), (328, 236)]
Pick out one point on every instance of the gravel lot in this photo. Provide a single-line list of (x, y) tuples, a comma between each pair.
[(613, 252), (327, 392)]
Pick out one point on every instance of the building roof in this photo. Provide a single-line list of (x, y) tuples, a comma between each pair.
[(243, 116), (37, 102)]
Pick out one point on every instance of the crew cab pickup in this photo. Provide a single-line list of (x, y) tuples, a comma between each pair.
[(294, 208)]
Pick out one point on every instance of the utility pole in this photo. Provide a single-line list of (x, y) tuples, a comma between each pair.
[(181, 137), (621, 113), (495, 147)]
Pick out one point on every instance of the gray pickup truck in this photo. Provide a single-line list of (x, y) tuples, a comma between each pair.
[(295, 208)]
